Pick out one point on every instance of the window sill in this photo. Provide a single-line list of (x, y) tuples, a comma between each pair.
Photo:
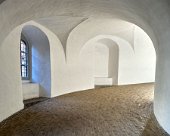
[(26, 81)]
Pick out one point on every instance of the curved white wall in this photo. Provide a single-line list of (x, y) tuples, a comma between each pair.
[(152, 16), (137, 66), (11, 99)]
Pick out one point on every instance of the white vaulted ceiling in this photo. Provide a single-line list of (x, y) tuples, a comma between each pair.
[(63, 19)]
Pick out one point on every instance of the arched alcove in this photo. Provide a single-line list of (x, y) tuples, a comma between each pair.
[(106, 64), (40, 64), (45, 45)]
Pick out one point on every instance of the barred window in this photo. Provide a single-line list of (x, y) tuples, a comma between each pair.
[(24, 57)]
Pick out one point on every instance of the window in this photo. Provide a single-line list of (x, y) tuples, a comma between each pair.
[(24, 58)]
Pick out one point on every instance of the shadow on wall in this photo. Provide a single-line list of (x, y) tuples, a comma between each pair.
[(1, 1)]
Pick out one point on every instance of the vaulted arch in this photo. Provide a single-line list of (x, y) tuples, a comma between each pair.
[(145, 14)]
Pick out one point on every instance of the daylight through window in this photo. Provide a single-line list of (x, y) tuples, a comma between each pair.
[(24, 52)]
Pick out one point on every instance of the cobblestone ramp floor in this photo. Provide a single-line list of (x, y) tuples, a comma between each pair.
[(111, 111)]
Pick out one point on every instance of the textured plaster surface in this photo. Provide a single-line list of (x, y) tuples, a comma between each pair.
[(151, 15)]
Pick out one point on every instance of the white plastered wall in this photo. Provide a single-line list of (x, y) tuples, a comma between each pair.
[(11, 99), (101, 65), (135, 60), (105, 64), (138, 66), (151, 15), (30, 90)]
